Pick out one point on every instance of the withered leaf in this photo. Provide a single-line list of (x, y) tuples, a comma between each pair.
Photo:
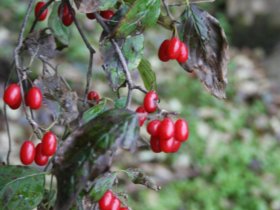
[(41, 44), (88, 6), (208, 49)]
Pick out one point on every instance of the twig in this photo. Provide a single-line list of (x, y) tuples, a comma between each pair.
[(121, 58)]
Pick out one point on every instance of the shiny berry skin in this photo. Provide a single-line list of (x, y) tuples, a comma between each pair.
[(106, 200), (91, 16), (170, 145), (107, 14), (34, 98), (40, 159), (174, 47), (162, 52), (115, 204), (66, 14), (38, 7), (93, 96), (155, 144), (152, 127), (12, 96), (184, 53), (142, 115), (123, 208), (27, 152), (181, 130), (150, 101), (49, 144), (166, 129)]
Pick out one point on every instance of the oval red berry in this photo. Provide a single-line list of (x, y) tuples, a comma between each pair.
[(106, 200), (155, 144), (66, 14), (153, 127), (174, 47), (27, 152), (142, 115), (40, 16), (93, 96), (40, 159), (49, 144), (184, 53), (181, 130), (162, 52), (166, 129), (12, 96), (176, 146), (150, 101), (107, 14), (34, 98), (116, 204)]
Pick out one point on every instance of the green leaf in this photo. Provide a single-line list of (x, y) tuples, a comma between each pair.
[(137, 176), (21, 187), (147, 74), (94, 111), (120, 103), (61, 32), (140, 14), (102, 184), (84, 153), (132, 49)]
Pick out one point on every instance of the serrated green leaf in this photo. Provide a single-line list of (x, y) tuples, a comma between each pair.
[(141, 14), (147, 74), (94, 111), (61, 32), (21, 187), (102, 184), (120, 103), (132, 49)]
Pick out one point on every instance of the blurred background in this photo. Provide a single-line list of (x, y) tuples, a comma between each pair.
[(231, 160)]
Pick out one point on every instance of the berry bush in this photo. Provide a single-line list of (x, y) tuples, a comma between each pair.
[(94, 130)]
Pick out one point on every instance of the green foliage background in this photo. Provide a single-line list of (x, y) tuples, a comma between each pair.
[(236, 164)]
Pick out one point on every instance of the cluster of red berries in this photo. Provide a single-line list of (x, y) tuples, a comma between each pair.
[(66, 13), (93, 96), (173, 49), (12, 97), (110, 202), (42, 152), (167, 136)]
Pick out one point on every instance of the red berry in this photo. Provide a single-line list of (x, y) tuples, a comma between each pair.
[(12, 96), (93, 96), (181, 130), (40, 159), (106, 200), (142, 115), (166, 129), (152, 127), (27, 152), (170, 145), (107, 14), (184, 53), (162, 52), (176, 146), (49, 144), (66, 14), (174, 47), (91, 16), (155, 144), (115, 204), (38, 8), (34, 98), (150, 101)]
